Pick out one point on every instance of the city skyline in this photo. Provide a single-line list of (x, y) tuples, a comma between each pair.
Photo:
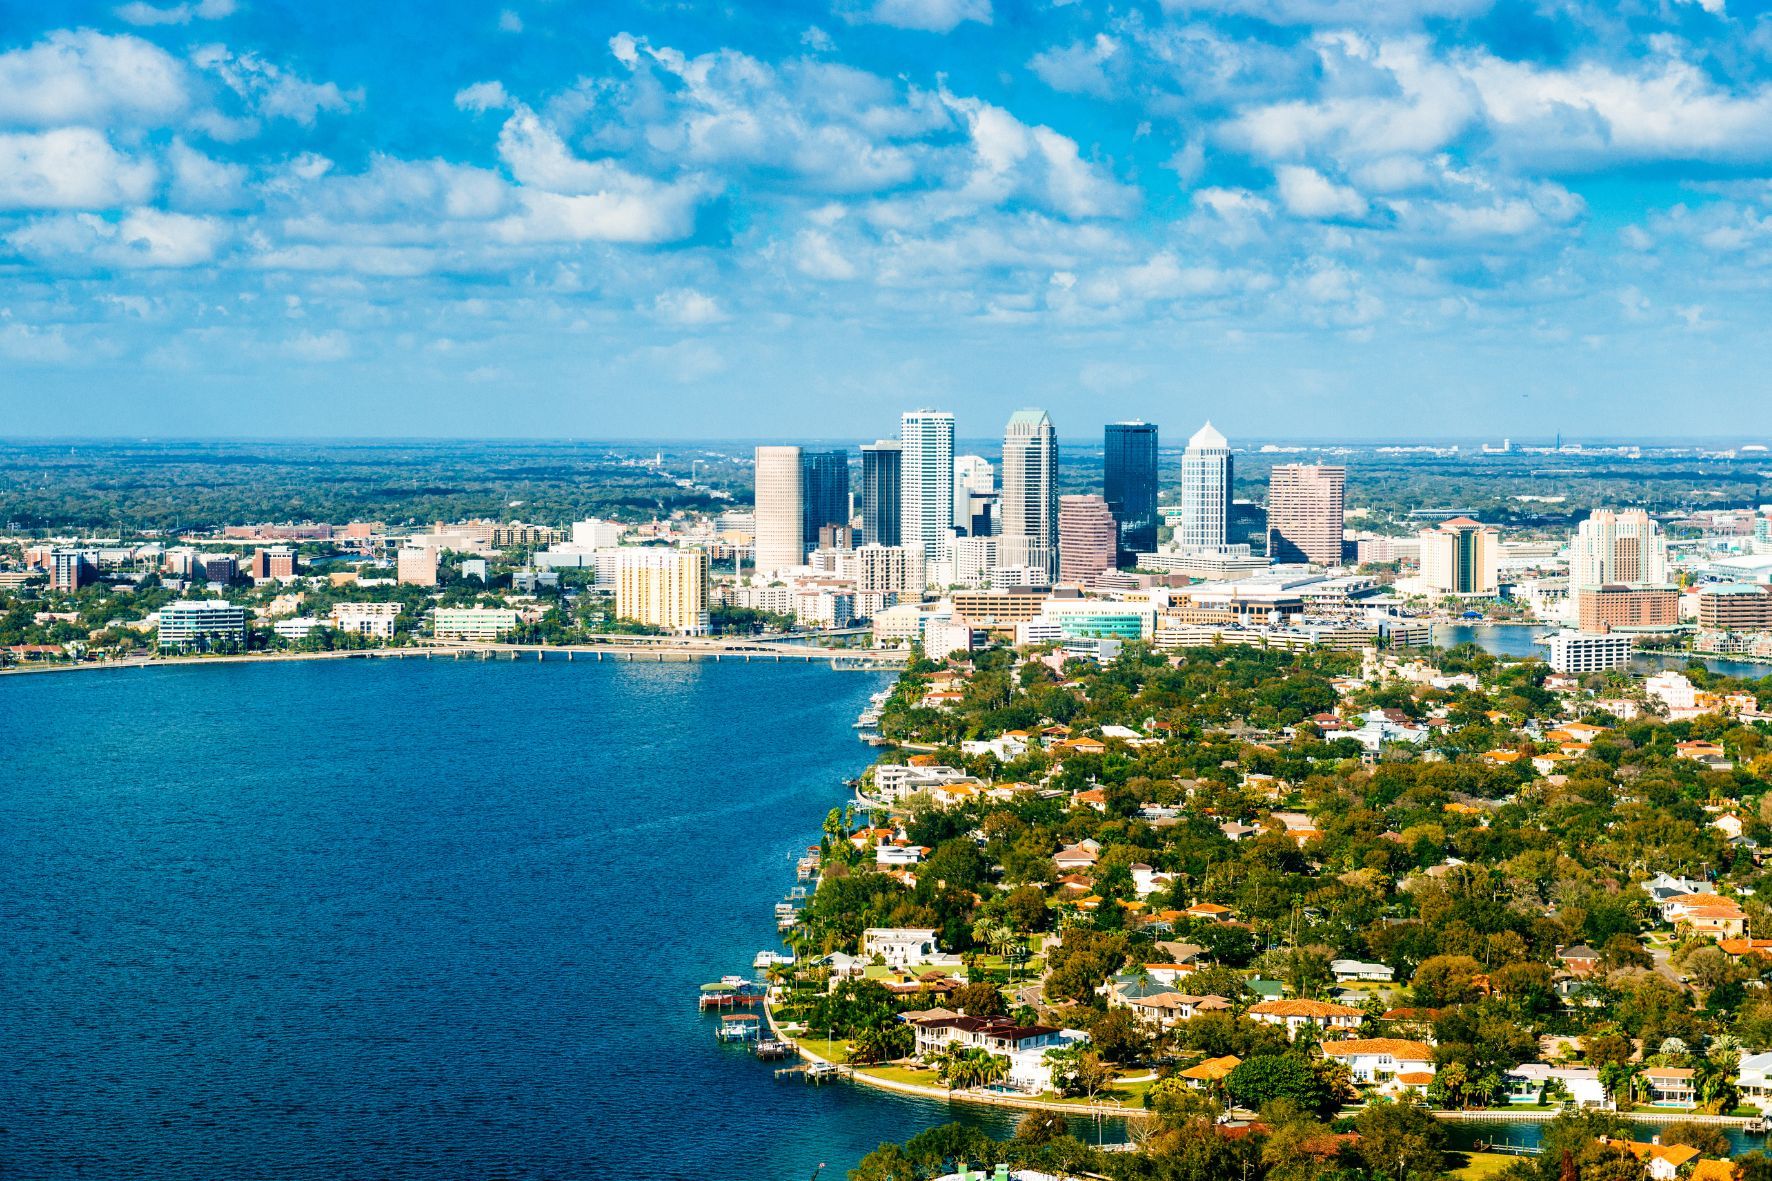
[(230, 219)]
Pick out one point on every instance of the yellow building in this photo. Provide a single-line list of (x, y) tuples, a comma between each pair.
[(664, 588)]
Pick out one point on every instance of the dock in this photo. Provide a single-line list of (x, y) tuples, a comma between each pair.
[(815, 1072)]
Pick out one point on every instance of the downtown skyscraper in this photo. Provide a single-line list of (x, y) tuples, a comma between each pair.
[(824, 477), (926, 485), (1129, 485), (881, 479), (1305, 513), (1205, 490), (780, 509), (1029, 532)]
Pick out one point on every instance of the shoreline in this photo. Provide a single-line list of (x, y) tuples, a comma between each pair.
[(867, 659)]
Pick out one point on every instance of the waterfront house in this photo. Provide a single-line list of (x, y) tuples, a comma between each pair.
[(1294, 1015), (900, 947), (1376, 1061), (1350, 970), (1663, 1161), (1527, 1083), (1670, 1085), (1213, 1070), (999, 1035), (1754, 1079)]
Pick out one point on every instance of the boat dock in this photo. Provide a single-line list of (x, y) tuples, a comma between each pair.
[(739, 1027), (815, 1072)]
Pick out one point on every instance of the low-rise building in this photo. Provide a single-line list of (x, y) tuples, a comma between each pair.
[(1379, 1060), (1294, 1015), (472, 623), (201, 625)]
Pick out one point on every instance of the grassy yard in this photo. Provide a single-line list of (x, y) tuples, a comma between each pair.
[(830, 1051), (1479, 1166)]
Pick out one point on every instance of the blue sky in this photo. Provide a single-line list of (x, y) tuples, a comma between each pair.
[(1299, 217)]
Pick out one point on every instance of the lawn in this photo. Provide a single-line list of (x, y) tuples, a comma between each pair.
[(830, 1051), (1479, 1166)]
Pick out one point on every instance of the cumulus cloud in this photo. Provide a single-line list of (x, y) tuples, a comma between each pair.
[(140, 238), (1078, 68), (1308, 193), (930, 16), (69, 168), (86, 77)]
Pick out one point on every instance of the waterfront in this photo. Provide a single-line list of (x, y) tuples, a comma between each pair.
[(1509, 639), (410, 919)]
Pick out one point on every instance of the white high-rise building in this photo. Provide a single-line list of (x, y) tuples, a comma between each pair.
[(926, 502), (1029, 532), (1614, 547), (1205, 490), (781, 510), (974, 478)]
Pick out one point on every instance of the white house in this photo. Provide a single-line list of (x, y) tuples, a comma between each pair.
[(898, 856), (1754, 1079), (1378, 1060), (900, 947), (1346, 970), (1526, 1083)]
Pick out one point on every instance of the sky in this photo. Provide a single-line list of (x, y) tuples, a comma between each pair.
[(1300, 218)]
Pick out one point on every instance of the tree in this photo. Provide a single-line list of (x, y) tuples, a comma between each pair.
[(1263, 1079), (883, 1043), (1444, 980), (1078, 1069), (1400, 1138), (1119, 1037), (1041, 1127), (1706, 1138), (979, 1000)]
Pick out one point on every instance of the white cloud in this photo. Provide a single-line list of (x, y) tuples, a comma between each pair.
[(199, 182), (688, 306), (140, 238), (69, 168), (509, 22), (272, 91), (482, 96), (931, 16), (140, 13), (86, 77), (1012, 159), (817, 255), (1079, 68), (1308, 193)]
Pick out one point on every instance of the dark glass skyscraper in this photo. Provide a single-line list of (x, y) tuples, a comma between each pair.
[(882, 466), (824, 482), (1129, 485)]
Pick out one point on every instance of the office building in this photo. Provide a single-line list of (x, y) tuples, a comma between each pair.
[(974, 559), (975, 495), (1088, 540), (276, 562), (889, 570), (781, 510), (595, 533), (472, 623), (71, 569), (1028, 526), (375, 620), (926, 486), (202, 625), (416, 566), (1617, 605), (1587, 652), (881, 476), (824, 481), (1129, 485), (1461, 557), (1612, 547), (1305, 513), (520, 536), (1735, 607), (1205, 491), (222, 568), (664, 588)]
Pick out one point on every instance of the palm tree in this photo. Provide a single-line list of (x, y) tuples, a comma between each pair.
[(1713, 1078)]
